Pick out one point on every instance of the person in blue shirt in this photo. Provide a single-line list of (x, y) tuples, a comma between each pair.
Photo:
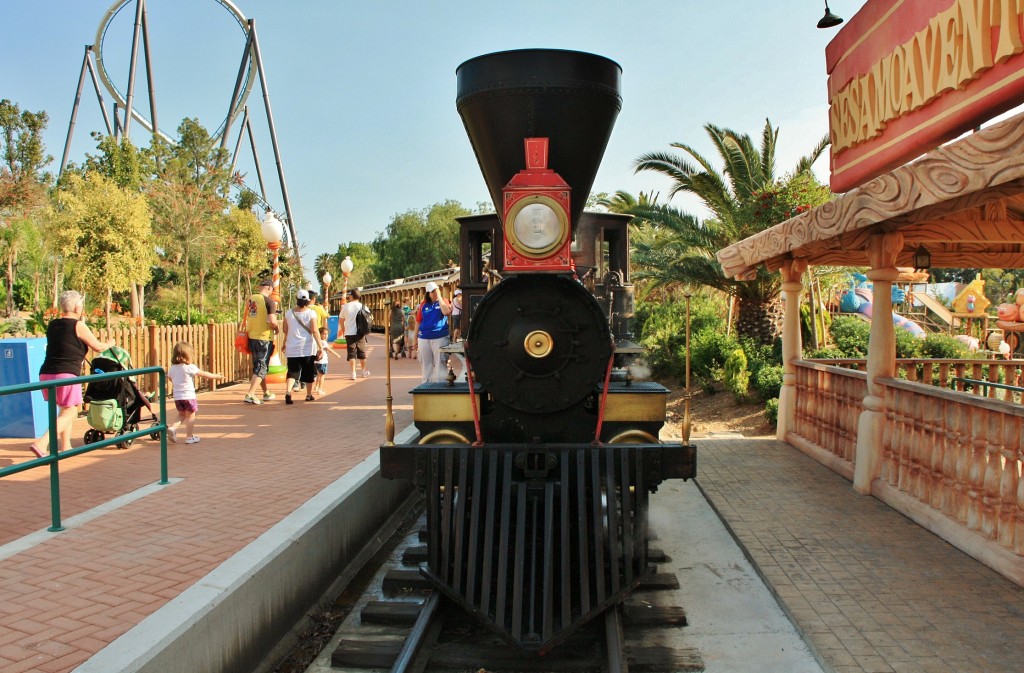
[(433, 332)]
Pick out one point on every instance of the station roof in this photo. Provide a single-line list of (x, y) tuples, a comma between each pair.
[(964, 202)]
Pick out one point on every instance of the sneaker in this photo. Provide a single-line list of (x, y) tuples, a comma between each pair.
[(249, 399), (353, 376), (172, 434), (366, 373), (194, 439), (296, 386), (288, 398), (310, 398), (268, 396)]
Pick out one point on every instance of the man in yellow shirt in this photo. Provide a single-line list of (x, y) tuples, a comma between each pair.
[(261, 325), (321, 312)]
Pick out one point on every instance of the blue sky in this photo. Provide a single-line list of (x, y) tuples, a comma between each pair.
[(363, 94)]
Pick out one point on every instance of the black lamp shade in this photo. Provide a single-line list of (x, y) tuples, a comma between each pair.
[(830, 19)]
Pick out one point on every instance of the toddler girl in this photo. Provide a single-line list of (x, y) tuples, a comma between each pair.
[(321, 364), (182, 373)]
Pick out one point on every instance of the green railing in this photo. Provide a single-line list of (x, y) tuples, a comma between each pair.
[(54, 457)]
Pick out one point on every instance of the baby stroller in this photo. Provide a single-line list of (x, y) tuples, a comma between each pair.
[(115, 405)]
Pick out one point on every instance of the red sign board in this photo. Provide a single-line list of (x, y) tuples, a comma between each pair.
[(905, 76)]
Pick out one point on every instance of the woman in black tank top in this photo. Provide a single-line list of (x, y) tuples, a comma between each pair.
[(68, 340)]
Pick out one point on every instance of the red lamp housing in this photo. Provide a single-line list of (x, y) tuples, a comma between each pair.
[(536, 220)]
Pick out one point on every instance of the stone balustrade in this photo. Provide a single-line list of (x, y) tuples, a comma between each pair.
[(950, 461)]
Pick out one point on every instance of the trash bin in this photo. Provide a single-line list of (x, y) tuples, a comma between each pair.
[(22, 414), (332, 328)]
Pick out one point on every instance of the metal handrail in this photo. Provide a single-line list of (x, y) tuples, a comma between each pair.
[(54, 457), (985, 385)]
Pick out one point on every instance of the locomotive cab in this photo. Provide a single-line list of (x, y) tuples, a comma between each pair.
[(538, 469)]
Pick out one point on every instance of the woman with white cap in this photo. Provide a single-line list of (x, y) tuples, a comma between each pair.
[(433, 333)]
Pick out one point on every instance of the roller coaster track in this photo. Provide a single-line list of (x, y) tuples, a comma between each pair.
[(251, 61)]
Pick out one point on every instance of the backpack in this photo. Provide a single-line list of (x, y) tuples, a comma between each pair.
[(363, 320)]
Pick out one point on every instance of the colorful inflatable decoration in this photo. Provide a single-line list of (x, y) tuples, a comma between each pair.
[(859, 298), (276, 372), (1010, 319)]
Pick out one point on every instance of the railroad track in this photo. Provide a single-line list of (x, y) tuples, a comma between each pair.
[(400, 624)]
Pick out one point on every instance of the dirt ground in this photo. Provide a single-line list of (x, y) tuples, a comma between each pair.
[(716, 413)]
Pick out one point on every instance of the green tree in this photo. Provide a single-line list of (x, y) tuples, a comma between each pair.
[(189, 198), (22, 183), (128, 167), (111, 231), (120, 160), (418, 241), (746, 196), (244, 250), (364, 263), (323, 264)]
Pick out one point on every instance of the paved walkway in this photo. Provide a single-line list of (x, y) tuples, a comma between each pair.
[(67, 597), (870, 591)]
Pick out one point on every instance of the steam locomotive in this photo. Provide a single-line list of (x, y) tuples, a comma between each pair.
[(537, 470)]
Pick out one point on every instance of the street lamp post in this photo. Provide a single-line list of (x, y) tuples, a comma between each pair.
[(272, 231), (346, 271), (327, 289)]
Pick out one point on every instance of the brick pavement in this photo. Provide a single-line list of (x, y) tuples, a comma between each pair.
[(66, 598), (869, 590)]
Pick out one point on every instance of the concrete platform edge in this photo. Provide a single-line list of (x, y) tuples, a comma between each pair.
[(229, 620), (808, 641)]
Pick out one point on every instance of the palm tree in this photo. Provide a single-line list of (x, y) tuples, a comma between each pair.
[(672, 247), (323, 263)]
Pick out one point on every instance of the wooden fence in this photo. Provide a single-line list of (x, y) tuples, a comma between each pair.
[(151, 346)]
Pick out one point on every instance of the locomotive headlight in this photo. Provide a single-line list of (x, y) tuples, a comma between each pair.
[(537, 225)]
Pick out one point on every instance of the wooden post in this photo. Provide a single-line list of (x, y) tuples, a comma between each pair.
[(151, 357), (882, 250), (792, 285), (211, 353)]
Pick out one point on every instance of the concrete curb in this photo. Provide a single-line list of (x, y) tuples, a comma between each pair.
[(229, 620)]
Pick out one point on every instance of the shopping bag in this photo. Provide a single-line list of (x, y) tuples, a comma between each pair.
[(242, 343)]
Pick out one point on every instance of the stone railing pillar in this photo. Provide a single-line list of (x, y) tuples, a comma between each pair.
[(882, 250), (792, 285)]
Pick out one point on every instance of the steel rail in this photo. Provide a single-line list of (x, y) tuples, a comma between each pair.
[(418, 636), (614, 641)]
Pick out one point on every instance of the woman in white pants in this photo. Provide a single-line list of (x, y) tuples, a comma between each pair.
[(433, 332)]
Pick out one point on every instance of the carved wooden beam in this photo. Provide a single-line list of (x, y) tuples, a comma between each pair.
[(952, 231)]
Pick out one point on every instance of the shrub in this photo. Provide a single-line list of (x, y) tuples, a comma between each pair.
[(708, 351), (662, 330), (737, 378), (851, 336), (907, 345), (829, 353), (13, 326), (771, 411), (761, 355), (944, 347), (661, 327), (768, 381)]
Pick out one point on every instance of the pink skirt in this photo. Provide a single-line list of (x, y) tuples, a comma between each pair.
[(67, 396)]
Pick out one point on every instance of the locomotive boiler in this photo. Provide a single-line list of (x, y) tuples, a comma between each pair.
[(537, 470)]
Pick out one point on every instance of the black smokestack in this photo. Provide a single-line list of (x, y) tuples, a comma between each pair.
[(568, 96)]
